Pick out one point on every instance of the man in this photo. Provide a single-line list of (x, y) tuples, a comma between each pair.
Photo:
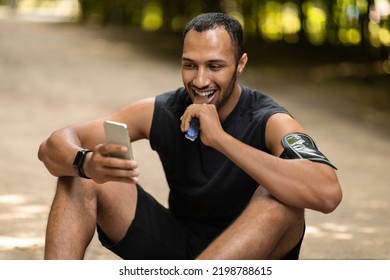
[(231, 194)]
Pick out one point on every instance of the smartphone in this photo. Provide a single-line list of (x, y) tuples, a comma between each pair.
[(117, 133)]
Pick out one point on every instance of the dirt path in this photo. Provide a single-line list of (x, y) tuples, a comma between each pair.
[(54, 75)]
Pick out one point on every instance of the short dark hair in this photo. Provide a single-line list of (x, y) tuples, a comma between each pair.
[(208, 21)]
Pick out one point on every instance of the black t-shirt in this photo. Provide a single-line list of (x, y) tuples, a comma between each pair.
[(205, 186)]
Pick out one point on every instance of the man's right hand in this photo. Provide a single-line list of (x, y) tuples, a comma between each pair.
[(102, 168)]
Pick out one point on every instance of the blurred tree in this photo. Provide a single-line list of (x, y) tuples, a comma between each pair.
[(337, 22)]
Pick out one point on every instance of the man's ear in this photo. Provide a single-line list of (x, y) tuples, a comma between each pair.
[(242, 63)]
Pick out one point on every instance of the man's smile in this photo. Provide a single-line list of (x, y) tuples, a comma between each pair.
[(204, 97)]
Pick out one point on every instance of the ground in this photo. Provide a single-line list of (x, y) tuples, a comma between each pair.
[(53, 75)]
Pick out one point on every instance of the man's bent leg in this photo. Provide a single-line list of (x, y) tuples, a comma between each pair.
[(267, 229), (78, 205)]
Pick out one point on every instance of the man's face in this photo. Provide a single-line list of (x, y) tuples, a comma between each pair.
[(209, 68)]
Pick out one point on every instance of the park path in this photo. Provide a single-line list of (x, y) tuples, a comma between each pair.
[(52, 75)]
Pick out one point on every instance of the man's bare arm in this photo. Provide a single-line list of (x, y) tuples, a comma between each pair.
[(57, 152), (300, 183)]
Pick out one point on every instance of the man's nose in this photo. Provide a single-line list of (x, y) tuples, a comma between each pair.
[(201, 79)]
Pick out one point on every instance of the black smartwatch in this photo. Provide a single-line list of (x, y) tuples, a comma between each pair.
[(79, 162)]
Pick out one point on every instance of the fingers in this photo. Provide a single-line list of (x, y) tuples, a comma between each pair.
[(118, 167), (200, 111), (104, 167), (119, 175), (186, 118), (107, 149), (210, 128)]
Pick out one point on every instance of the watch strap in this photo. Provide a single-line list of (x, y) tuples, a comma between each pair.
[(78, 163)]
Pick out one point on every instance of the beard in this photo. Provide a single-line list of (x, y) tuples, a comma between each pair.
[(227, 93)]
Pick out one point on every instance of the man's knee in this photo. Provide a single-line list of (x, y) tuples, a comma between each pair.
[(65, 182), (75, 189), (267, 203), (286, 223), (276, 217), (68, 182)]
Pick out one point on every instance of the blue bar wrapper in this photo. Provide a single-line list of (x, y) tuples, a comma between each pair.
[(193, 132)]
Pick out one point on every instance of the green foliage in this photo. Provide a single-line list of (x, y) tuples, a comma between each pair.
[(315, 22)]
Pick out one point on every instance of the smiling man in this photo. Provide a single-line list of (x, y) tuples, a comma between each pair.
[(238, 191)]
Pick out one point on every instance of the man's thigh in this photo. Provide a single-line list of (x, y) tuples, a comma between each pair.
[(116, 205)]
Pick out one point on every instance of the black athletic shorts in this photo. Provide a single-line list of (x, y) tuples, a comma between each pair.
[(157, 234)]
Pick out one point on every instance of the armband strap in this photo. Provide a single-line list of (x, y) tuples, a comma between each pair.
[(301, 146)]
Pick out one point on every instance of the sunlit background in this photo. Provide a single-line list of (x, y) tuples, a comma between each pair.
[(339, 22), (348, 22)]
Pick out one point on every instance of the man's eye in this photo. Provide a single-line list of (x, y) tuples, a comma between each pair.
[(215, 67), (189, 65)]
